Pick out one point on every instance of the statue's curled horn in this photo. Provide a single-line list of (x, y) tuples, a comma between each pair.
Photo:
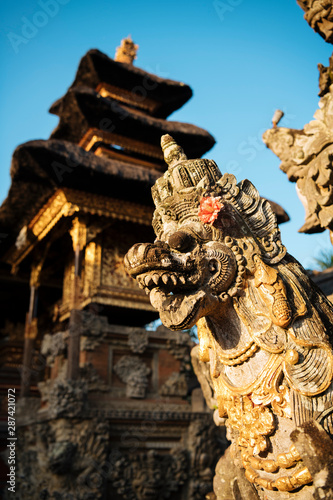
[(218, 262)]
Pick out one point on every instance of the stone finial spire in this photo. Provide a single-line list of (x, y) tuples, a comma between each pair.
[(126, 52), (173, 153)]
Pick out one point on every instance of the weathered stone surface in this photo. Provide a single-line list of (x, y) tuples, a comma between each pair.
[(53, 346), (133, 371), (306, 158), (264, 328), (62, 459), (319, 15), (150, 475), (138, 341), (315, 446), (325, 77)]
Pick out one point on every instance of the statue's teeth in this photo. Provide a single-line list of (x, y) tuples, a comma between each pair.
[(140, 282), (165, 278), (173, 279), (181, 280), (148, 280), (156, 279)]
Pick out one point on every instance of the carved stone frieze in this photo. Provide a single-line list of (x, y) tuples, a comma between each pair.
[(206, 444), (63, 459), (263, 327), (94, 382), (151, 475)]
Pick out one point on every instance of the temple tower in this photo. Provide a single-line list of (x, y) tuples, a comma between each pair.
[(107, 408)]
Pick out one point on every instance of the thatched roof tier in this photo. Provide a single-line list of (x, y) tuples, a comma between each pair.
[(84, 108), (40, 167), (162, 96)]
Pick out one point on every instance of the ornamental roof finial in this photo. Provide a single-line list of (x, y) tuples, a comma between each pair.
[(126, 52)]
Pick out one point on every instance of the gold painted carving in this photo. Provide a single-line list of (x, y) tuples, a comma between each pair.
[(273, 293), (92, 268), (78, 234), (65, 203), (31, 329)]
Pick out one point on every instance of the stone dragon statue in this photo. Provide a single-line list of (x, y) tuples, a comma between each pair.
[(265, 330)]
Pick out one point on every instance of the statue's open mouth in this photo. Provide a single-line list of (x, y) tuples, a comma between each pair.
[(179, 308)]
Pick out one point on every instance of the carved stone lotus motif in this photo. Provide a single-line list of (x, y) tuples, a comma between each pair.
[(264, 329)]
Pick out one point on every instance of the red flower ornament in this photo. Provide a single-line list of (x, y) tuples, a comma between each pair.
[(209, 209)]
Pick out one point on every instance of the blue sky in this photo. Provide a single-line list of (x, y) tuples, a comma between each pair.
[(242, 58)]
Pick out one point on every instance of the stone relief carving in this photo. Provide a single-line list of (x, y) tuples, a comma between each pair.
[(263, 327), (151, 475), (63, 459), (138, 341), (53, 345), (306, 158), (206, 443), (134, 372), (319, 15), (94, 382), (176, 385), (64, 397), (113, 272), (93, 330)]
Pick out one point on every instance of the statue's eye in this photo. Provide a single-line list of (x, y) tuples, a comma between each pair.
[(181, 241)]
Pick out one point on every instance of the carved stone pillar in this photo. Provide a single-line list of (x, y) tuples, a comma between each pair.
[(31, 329), (78, 234)]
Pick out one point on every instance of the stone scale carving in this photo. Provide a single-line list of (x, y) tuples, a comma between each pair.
[(264, 328)]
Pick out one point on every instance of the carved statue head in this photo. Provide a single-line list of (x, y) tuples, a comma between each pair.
[(199, 258)]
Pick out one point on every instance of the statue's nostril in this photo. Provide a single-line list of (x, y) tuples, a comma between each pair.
[(180, 241)]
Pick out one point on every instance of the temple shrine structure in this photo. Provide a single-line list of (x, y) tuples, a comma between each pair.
[(106, 408)]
